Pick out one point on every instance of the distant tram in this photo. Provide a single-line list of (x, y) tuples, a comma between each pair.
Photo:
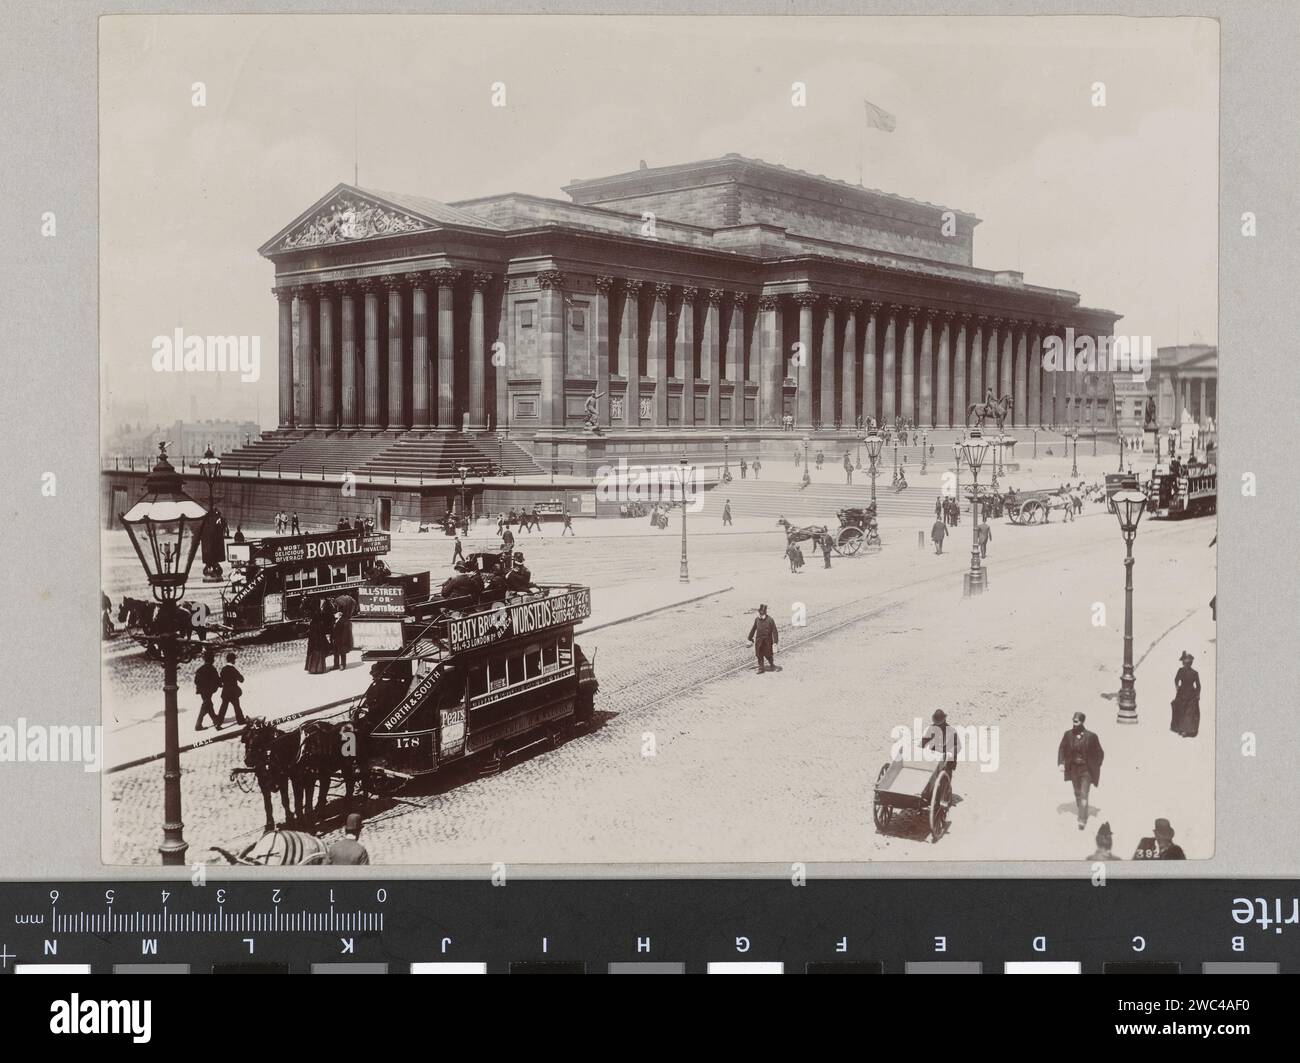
[(275, 580), (1183, 489), (476, 675)]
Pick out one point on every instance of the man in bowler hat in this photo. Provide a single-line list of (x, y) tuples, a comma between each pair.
[(763, 635)]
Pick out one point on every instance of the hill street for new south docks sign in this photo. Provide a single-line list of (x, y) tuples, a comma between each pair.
[(507, 621)]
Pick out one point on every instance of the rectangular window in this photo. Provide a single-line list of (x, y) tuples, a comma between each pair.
[(526, 318), (550, 656), (578, 320), (514, 670), (532, 662)]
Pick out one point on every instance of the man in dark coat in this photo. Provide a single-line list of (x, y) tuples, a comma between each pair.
[(937, 531), (983, 535), (726, 514), (341, 634), (764, 636), (1079, 756), (231, 691), (207, 681), (348, 849), (1186, 706), (1159, 845), (826, 549), (519, 578)]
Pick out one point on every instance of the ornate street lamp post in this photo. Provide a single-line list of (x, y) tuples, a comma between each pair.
[(874, 444), (1074, 469), (165, 527), (1120, 436), (726, 457), (1035, 442), (974, 449), (1129, 507), (464, 472), (805, 454), (214, 543), (924, 441), (684, 574)]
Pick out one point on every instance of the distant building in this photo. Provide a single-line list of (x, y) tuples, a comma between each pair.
[(1186, 378), (191, 438)]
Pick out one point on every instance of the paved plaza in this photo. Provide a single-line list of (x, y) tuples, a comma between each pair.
[(696, 758)]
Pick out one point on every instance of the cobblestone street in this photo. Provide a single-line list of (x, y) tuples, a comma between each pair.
[(696, 758)]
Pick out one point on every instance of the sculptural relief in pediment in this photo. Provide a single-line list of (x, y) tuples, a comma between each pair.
[(350, 218)]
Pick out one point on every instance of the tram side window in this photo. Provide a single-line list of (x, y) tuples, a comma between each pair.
[(533, 662), (514, 670), (478, 680), (550, 656), (451, 687), (338, 573)]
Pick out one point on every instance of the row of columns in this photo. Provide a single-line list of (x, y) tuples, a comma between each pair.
[(329, 381)]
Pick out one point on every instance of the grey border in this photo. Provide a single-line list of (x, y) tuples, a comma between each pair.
[(48, 631)]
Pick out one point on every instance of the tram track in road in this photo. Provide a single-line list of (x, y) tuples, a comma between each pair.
[(629, 699)]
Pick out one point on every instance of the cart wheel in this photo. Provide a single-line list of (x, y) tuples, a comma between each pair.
[(940, 802), (882, 813), (848, 542)]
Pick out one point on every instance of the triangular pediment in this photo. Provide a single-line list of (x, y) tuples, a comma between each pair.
[(347, 215)]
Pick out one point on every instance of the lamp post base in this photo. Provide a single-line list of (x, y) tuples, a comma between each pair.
[(974, 583), (1127, 702)]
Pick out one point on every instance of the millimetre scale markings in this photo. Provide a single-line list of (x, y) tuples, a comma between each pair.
[(221, 921)]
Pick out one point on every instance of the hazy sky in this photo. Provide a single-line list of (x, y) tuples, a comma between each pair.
[(994, 116)]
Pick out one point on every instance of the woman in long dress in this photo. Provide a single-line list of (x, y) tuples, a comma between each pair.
[(318, 638), (1186, 706)]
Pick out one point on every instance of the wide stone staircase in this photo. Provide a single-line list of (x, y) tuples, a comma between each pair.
[(261, 450), (440, 457)]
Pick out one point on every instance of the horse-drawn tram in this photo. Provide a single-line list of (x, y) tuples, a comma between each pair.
[(276, 581), (472, 674), (1183, 489)]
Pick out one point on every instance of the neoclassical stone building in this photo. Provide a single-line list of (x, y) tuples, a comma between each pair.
[(697, 299)]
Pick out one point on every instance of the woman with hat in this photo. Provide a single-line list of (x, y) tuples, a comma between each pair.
[(1186, 706)]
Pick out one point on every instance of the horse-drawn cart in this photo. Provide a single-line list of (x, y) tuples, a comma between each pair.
[(925, 788), (1034, 507), (857, 529)]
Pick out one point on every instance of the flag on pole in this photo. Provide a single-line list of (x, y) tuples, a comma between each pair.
[(878, 118)]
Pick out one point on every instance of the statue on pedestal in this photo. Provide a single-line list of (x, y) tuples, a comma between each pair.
[(590, 408)]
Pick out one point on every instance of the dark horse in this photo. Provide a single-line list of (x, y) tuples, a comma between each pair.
[(308, 755), (999, 409)]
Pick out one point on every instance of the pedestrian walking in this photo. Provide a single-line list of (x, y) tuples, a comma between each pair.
[(319, 623), (1185, 719), (231, 692), (348, 849), (826, 550), (757, 465), (794, 555), (764, 637), (848, 469), (1079, 756), (294, 527), (568, 525), (457, 551), (341, 632), (938, 506), (726, 514), (797, 458), (937, 531), (508, 540), (983, 535), (537, 520), (207, 681), (744, 468)]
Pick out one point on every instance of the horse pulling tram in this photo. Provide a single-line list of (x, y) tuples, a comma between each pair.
[(920, 788), (472, 676), (277, 581)]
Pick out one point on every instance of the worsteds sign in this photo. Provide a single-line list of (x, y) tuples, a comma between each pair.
[(512, 620), (330, 546)]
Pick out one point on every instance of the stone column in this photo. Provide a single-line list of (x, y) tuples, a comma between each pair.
[(849, 370), (348, 389), (657, 352), (396, 357), (736, 357), (1008, 362), (771, 372), (1034, 360), (925, 416), (446, 279), (803, 373), (419, 352), (327, 399), (889, 370), (307, 360), (826, 413), (374, 403), (686, 352), (1021, 413), (478, 350), (869, 407), (960, 396), (711, 356), (601, 325), (943, 412), (629, 356), (501, 360), (284, 302), (908, 410), (551, 324), (992, 345), (976, 393)]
